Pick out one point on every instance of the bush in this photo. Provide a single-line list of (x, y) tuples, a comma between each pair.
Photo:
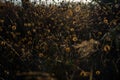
[(64, 42)]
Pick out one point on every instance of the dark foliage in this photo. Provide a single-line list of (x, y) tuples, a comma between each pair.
[(70, 42)]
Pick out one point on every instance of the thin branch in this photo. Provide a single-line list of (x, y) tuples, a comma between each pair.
[(10, 46)]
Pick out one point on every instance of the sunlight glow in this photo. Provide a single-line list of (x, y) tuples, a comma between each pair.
[(50, 1), (57, 1)]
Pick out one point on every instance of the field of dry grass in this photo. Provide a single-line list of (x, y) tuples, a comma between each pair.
[(66, 42)]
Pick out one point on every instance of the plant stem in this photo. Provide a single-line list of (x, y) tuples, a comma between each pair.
[(91, 73)]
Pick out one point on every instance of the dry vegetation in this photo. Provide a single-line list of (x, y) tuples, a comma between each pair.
[(67, 42)]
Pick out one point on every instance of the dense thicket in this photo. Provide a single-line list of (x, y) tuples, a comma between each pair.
[(67, 42)]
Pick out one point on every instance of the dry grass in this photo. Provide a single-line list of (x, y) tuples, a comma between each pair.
[(59, 40)]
